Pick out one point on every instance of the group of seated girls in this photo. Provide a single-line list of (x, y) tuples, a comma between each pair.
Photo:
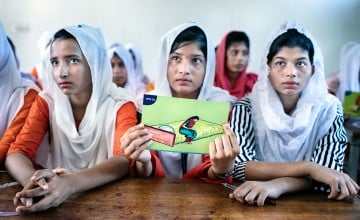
[(81, 131)]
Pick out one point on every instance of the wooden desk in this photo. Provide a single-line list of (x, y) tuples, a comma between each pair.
[(352, 126), (181, 199)]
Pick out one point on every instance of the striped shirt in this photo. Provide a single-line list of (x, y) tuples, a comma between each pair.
[(329, 151)]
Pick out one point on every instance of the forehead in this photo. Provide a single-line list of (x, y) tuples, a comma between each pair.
[(65, 46), (116, 58), (238, 45), (292, 52), (189, 46)]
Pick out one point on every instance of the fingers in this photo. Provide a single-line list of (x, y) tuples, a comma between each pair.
[(31, 193), (43, 204), (59, 170), (135, 138), (224, 145), (41, 177), (232, 138), (223, 151), (23, 201), (348, 188)]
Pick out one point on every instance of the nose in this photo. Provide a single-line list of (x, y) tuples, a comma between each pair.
[(239, 56), (116, 70), (290, 71), (61, 70), (185, 67)]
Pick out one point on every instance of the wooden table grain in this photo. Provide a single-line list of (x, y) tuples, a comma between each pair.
[(156, 198)]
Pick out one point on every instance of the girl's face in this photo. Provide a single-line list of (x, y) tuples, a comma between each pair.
[(71, 70), (237, 57), (119, 71), (290, 71), (186, 71)]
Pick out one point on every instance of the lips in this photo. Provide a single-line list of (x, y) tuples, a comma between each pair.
[(239, 66), (290, 85), (64, 84), (183, 81)]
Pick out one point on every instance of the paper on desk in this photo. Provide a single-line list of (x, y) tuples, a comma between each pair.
[(3, 214)]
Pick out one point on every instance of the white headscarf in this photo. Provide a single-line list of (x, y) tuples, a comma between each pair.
[(43, 45), (349, 69), (172, 161), (93, 141), (208, 91), (124, 54), (283, 137), (139, 72), (13, 87)]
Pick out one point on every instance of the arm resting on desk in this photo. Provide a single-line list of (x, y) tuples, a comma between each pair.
[(337, 181), (58, 188)]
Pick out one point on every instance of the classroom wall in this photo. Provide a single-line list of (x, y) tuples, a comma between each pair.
[(142, 22)]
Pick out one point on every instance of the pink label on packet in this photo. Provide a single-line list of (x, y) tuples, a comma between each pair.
[(162, 136)]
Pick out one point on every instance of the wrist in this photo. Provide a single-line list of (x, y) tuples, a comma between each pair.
[(310, 168), (222, 175)]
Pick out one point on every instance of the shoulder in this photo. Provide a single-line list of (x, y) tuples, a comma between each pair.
[(244, 103), (127, 107)]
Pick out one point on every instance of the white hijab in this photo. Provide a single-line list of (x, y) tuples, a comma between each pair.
[(124, 54), (13, 87), (172, 161), (349, 69), (139, 71), (281, 137), (93, 142)]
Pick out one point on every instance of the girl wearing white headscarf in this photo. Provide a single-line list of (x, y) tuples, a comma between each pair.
[(349, 75), (186, 55), (138, 65), (85, 113), (17, 95), (123, 70), (290, 129)]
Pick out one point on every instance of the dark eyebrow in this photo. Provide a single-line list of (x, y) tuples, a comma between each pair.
[(283, 58), (67, 57), (302, 58)]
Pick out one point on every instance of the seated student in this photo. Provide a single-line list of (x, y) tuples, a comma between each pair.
[(85, 113), (349, 74), (23, 74), (232, 58), (17, 95), (123, 70), (290, 129), (186, 71), (138, 66)]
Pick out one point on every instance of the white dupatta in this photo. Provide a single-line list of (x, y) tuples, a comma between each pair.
[(281, 137), (125, 56), (349, 75), (13, 87), (93, 141), (172, 161)]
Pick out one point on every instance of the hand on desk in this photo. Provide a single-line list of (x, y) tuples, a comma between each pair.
[(45, 185), (256, 192), (341, 184)]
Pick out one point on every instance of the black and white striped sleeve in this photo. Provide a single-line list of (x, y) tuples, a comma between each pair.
[(330, 150), (242, 126)]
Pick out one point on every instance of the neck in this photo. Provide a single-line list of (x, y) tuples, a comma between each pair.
[(79, 105), (289, 103), (232, 77)]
